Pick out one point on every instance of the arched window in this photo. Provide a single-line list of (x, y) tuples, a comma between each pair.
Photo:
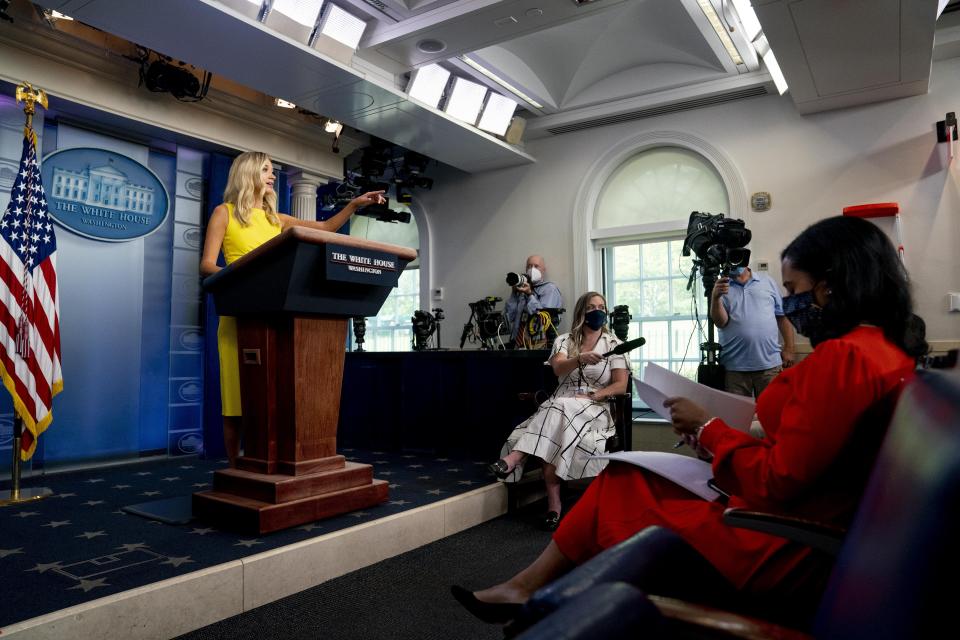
[(639, 225), (391, 330)]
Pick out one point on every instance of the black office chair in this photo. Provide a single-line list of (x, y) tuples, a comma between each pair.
[(887, 580)]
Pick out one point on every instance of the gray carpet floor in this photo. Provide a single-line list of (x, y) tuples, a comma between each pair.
[(407, 596)]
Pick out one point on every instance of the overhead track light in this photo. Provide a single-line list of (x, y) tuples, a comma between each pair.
[(497, 114), (303, 12), (427, 84), (465, 100), (342, 26)]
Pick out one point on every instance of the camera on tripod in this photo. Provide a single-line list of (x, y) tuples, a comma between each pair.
[(425, 324), (486, 324), (620, 321), (718, 244), (517, 279)]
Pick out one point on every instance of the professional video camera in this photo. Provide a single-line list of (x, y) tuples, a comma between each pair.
[(425, 325), (718, 245), (620, 321), (486, 324)]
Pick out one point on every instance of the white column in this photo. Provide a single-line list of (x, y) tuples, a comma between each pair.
[(303, 197)]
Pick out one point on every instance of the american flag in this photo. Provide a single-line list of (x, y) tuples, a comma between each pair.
[(29, 301)]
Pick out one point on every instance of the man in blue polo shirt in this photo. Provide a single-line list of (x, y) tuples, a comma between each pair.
[(748, 311)]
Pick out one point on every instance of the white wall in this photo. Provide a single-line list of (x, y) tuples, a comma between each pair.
[(484, 225)]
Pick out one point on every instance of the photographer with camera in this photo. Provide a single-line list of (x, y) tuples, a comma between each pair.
[(531, 293), (748, 310)]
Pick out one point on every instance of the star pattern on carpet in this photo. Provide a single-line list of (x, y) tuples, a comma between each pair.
[(248, 543), (93, 558), (87, 585), (176, 562), (94, 480), (89, 535), (42, 567)]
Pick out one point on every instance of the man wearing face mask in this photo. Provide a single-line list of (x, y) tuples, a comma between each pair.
[(529, 298), (748, 311)]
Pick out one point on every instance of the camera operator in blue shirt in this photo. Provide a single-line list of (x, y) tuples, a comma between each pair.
[(531, 296), (748, 311)]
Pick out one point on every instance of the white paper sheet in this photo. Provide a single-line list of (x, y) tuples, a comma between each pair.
[(692, 474), (736, 411)]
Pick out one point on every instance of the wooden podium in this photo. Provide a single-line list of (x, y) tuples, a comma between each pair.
[(292, 297)]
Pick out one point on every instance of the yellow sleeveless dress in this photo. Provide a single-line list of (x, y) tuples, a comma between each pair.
[(237, 241)]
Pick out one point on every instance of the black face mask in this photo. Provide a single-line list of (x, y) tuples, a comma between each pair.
[(804, 314), (595, 319)]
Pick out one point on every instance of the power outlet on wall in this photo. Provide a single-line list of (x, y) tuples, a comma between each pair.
[(763, 265), (437, 294)]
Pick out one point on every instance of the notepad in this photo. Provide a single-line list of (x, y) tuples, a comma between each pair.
[(692, 474), (659, 384)]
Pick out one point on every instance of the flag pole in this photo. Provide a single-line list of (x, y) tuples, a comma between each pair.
[(30, 97)]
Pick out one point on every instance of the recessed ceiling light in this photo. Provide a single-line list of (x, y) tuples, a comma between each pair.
[(431, 46), (283, 104)]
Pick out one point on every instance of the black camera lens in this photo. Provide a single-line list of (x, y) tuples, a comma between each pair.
[(517, 279)]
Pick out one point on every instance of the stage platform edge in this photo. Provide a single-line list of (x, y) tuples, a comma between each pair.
[(209, 595)]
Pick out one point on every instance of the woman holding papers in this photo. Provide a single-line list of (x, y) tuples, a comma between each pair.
[(850, 295), (574, 423), (247, 218)]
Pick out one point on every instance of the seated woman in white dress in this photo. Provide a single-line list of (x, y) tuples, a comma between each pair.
[(575, 422)]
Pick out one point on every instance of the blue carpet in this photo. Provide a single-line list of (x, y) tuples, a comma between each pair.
[(78, 545)]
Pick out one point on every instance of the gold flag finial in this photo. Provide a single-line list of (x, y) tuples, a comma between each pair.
[(30, 97)]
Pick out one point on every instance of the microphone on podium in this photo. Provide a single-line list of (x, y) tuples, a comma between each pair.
[(624, 347)]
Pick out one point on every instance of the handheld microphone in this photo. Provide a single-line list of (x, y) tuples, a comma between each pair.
[(629, 345)]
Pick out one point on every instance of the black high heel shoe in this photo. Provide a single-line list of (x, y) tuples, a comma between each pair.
[(551, 521), (500, 468), (489, 612)]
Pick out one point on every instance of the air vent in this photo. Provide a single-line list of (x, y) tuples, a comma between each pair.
[(377, 4), (674, 107)]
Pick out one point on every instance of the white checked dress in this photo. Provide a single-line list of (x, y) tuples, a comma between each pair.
[(566, 430)]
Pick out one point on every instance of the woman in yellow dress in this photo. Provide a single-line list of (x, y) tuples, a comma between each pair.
[(247, 218)]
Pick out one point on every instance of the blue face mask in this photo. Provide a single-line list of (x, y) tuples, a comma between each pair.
[(737, 271), (804, 314), (595, 319)]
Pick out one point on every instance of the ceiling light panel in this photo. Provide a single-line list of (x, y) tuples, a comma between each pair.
[(342, 26), (302, 12), (721, 30), (427, 84), (465, 100), (497, 114), (503, 83)]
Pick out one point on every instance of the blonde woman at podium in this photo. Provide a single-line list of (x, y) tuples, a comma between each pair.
[(246, 219)]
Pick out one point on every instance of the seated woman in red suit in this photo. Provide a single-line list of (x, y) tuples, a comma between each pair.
[(848, 293)]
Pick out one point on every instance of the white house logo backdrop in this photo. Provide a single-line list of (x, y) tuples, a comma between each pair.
[(103, 195)]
